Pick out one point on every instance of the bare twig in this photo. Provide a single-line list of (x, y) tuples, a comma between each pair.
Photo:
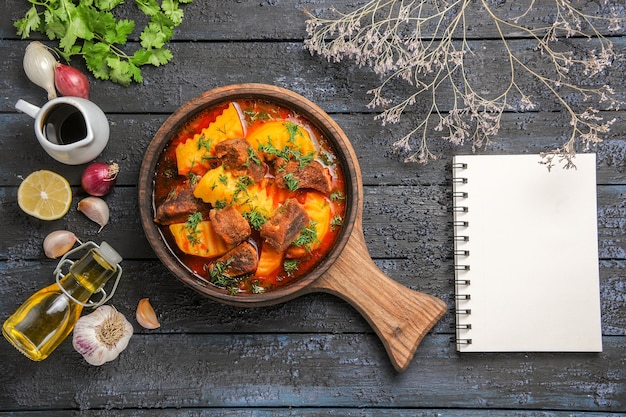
[(424, 43)]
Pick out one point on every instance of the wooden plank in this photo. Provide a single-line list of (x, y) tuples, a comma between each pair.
[(405, 222), (131, 134), (309, 412), (312, 370), (181, 310), (227, 20), (336, 87)]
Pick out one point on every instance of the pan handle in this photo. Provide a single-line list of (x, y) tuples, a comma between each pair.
[(400, 316)]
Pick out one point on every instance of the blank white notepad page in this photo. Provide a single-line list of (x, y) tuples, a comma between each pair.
[(529, 238)]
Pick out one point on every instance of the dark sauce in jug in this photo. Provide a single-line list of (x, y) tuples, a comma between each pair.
[(64, 124)]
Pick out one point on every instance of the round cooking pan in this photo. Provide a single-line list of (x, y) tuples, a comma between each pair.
[(400, 316)]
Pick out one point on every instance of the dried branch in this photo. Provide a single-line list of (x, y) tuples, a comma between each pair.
[(425, 44)]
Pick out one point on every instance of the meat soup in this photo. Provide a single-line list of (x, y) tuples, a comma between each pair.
[(249, 196)]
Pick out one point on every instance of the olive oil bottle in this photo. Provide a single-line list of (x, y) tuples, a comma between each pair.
[(47, 317)]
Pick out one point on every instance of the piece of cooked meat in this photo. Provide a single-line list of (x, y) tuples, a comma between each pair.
[(239, 157), (282, 228), (230, 225), (313, 175), (241, 260), (179, 205)]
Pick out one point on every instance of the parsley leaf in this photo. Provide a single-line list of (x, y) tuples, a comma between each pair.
[(89, 29)]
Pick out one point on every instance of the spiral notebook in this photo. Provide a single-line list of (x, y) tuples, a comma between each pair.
[(526, 255)]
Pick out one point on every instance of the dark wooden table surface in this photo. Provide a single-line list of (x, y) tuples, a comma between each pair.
[(314, 355)]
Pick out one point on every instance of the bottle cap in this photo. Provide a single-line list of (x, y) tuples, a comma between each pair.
[(109, 254)]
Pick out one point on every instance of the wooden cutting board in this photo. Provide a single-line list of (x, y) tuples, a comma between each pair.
[(400, 316)]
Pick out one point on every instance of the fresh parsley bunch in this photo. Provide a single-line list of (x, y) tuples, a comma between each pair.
[(88, 28)]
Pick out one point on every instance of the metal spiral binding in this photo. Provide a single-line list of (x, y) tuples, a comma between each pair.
[(459, 267), (463, 341)]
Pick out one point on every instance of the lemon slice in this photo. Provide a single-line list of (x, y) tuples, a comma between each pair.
[(45, 195)]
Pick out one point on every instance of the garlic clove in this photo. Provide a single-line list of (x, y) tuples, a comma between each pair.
[(146, 316), (58, 243), (102, 335), (95, 209)]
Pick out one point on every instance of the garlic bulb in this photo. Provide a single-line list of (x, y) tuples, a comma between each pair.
[(95, 209), (39, 65), (102, 335), (58, 243)]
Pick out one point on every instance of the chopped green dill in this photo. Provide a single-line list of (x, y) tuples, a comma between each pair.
[(223, 179), (327, 159), (254, 115), (208, 157), (336, 221), (303, 160), (220, 204), (255, 218), (205, 143), (244, 182), (193, 178), (336, 196), (241, 186), (291, 182), (294, 130), (290, 265), (252, 156), (270, 149), (219, 277), (307, 236), (191, 226), (256, 288)]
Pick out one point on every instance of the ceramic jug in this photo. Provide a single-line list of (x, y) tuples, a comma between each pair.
[(72, 130)]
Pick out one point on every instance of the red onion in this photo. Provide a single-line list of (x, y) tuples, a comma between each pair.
[(99, 178), (70, 81)]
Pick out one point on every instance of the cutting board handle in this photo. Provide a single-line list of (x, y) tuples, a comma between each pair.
[(400, 316)]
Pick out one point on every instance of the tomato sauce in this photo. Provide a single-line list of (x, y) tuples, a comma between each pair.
[(296, 260)]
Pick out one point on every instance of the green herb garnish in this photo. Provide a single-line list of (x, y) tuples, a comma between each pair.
[(255, 218), (191, 226), (291, 182), (205, 143), (290, 265), (219, 277), (336, 196), (336, 221), (256, 288), (252, 156), (294, 130), (307, 236), (90, 30)]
